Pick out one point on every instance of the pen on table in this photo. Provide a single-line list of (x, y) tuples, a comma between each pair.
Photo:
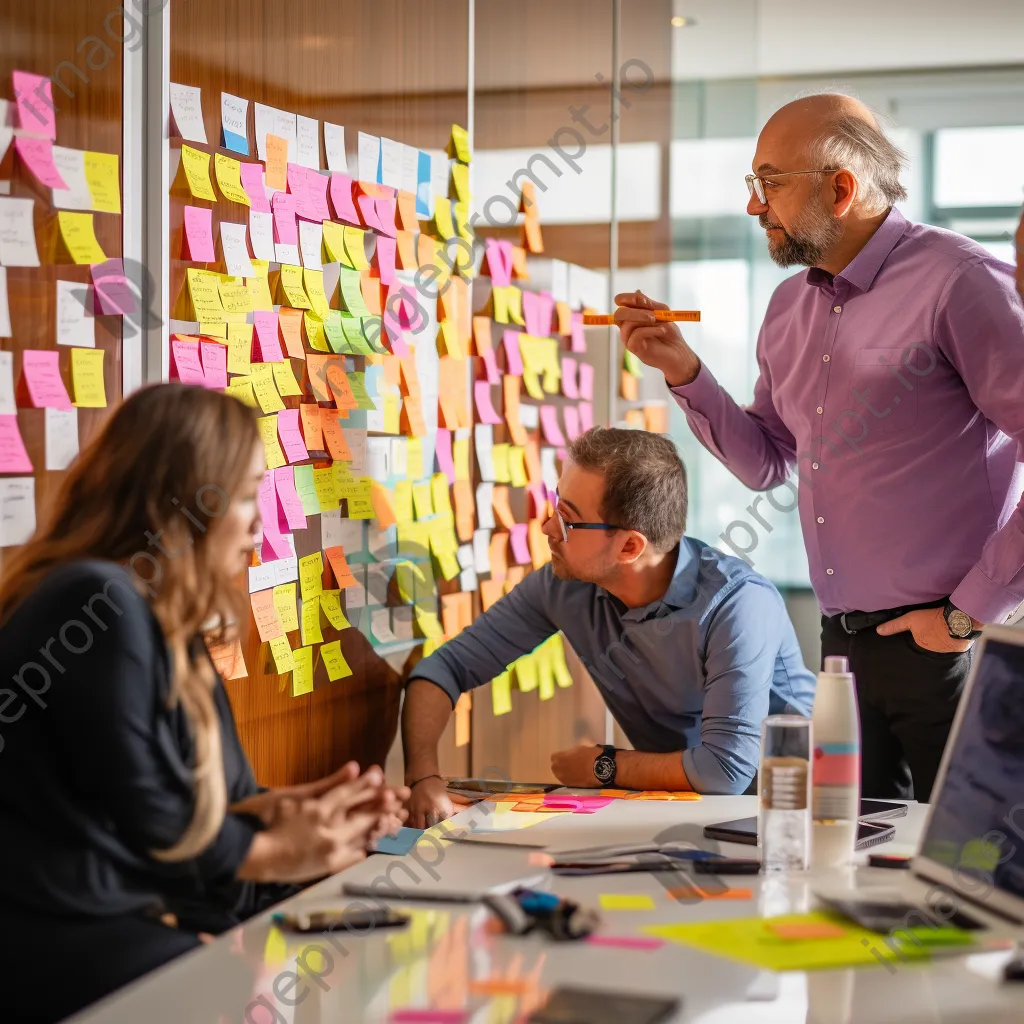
[(676, 315)]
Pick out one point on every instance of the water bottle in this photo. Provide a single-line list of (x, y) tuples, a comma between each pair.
[(784, 809), (835, 797)]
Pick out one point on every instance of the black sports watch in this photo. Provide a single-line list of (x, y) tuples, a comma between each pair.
[(604, 766), (959, 624)]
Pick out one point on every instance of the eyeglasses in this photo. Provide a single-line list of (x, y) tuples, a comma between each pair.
[(566, 527), (755, 182)]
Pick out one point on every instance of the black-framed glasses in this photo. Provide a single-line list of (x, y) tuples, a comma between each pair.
[(566, 527), (755, 182)]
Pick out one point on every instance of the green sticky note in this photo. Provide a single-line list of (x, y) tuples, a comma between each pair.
[(335, 332), (352, 293), (626, 901), (306, 490)]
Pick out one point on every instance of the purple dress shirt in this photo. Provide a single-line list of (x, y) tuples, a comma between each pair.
[(895, 391)]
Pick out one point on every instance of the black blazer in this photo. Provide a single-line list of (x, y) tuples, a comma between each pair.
[(95, 765)]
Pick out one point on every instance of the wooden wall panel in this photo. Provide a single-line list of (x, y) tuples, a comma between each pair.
[(38, 37)]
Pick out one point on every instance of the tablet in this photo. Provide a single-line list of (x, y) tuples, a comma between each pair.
[(744, 830)]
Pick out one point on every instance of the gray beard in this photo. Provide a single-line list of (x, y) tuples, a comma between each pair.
[(817, 233)]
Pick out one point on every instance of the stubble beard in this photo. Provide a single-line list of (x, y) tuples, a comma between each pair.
[(816, 232)]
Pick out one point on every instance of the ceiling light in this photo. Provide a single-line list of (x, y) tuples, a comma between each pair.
[(679, 21)]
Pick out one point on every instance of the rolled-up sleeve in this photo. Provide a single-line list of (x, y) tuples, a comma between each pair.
[(513, 626), (742, 642)]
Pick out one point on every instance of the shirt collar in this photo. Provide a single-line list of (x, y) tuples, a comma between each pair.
[(683, 588), (864, 267)]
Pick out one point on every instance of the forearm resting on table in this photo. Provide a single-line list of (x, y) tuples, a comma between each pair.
[(636, 770), (425, 714)]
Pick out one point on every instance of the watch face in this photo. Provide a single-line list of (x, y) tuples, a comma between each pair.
[(959, 622), (604, 768)]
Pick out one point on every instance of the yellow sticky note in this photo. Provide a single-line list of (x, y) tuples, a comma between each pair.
[(334, 242), (314, 285), (259, 291), (311, 621), (392, 412), (204, 291), (79, 234), (239, 348), (229, 179), (282, 651), (563, 677), (234, 294), (460, 179), (311, 571), (262, 378), (284, 603), (215, 330), (103, 181), (87, 378), (517, 466), (501, 694), (242, 390), (443, 217), (627, 901), (291, 285), (500, 459), (337, 666), (460, 457), (197, 170), (440, 494), (315, 333), (326, 492), (271, 445), (458, 147), (422, 500), (414, 458), (428, 622), (526, 673), (330, 602), (284, 378), (302, 673), (354, 248), (403, 503)]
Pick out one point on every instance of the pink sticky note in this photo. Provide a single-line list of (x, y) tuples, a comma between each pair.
[(41, 374), (513, 359), (36, 111), (584, 802), (586, 381), (572, 422), (38, 157), (305, 204), (317, 184), (586, 416), (549, 423), (291, 436), (274, 546), (288, 497), (537, 310), (518, 539), (499, 262), (368, 212), (626, 941), (579, 341), (199, 235), (268, 340), (341, 199), (13, 457), (538, 501), (411, 1016), (252, 182), (394, 332), (491, 365), (286, 230), (484, 406), (215, 364), (443, 453), (386, 259), (113, 295), (186, 364), (385, 210), (569, 386)]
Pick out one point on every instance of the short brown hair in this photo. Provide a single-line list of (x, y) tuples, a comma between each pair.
[(644, 481)]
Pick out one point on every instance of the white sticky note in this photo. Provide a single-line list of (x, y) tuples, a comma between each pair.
[(356, 440), (307, 141), (484, 510), (262, 577), (236, 251), (482, 550), (7, 406), (287, 253), (71, 164), (484, 438), (548, 467), (6, 138), (346, 533), (264, 125), (378, 457), (261, 235), (311, 238), (76, 324), (187, 107), (392, 162), (380, 626), (17, 510), (529, 416), (401, 622), (17, 235), (234, 113), (5, 308), (410, 168), (334, 143), (369, 156), (468, 580), (61, 437)]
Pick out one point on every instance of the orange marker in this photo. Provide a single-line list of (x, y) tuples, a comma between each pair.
[(607, 320)]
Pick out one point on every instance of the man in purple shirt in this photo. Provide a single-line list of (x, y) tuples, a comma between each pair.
[(892, 386)]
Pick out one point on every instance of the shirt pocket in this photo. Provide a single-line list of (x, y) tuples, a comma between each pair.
[(879, 395)]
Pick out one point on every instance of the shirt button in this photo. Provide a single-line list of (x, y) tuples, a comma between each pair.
[(820, 410), (826, 358), (814, 465), (831, 572), (837, 309), (821, 519)]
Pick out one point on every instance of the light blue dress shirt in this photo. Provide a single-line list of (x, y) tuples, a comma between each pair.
[(697, 670)]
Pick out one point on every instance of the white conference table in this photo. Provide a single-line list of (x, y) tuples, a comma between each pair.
[(249, 975)]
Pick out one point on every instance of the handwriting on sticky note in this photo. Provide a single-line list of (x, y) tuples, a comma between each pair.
[(264, 611), (79, 235), (41, 375), (277, 162), (198, 235)]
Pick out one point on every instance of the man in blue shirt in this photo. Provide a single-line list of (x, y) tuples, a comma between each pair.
[(690, 648)]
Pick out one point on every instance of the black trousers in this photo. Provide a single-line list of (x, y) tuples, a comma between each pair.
[(907, 698)]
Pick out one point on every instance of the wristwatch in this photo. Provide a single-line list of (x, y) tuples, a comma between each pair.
[(959, 624), (604, 766)]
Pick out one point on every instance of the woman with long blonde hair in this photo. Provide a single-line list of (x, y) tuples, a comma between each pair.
[(124, 791)]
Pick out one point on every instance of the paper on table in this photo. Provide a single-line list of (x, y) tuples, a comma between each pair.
[(17, 234), (187, 108)]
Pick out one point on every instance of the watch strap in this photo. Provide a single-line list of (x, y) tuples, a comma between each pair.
[(949, 608)]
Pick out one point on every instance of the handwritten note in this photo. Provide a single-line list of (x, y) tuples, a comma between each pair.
[(87, 378), (61, 438), (197, 236), (13, 457), (17, 234), (234, 116), (76, 324), (277, 162), (41, 380), (187, 108), (196, 165), (37, 155)]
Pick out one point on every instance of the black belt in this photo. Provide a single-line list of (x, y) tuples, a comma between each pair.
[(854, 622)]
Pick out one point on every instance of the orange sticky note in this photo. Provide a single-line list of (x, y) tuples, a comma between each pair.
[(383, 507), (465, 509), (498, 555), (337, 446), (502, 508), (277, 162), (802, 930), (371, 289), (463, 717), (519, 262), (687, 892), (312, 430), (407, 251), (482, 334), (630, 389), (268, 622), (409, 380), (290, 323), (656, 418), (339, 564), (453, 388), (532, 236), (413, 424), (510, 389), (491, 591), (564, 313), (341, 390), (407, 211), (317, 367)]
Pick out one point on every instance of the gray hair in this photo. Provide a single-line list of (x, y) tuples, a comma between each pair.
[(856, 145)]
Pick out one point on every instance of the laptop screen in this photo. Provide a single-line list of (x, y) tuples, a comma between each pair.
[(976, 828)]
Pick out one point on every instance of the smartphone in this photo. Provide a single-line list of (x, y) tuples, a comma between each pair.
[(882, 860), (501, 786), (885, 916), (357, 920), (587, 1006), (744, 830), (726, 866)]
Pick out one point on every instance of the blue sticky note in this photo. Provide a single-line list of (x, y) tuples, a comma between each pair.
[(401, 844), (236, 143), (423, 185)]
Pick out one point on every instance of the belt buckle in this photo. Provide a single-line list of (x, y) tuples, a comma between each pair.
[(846, 628)]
